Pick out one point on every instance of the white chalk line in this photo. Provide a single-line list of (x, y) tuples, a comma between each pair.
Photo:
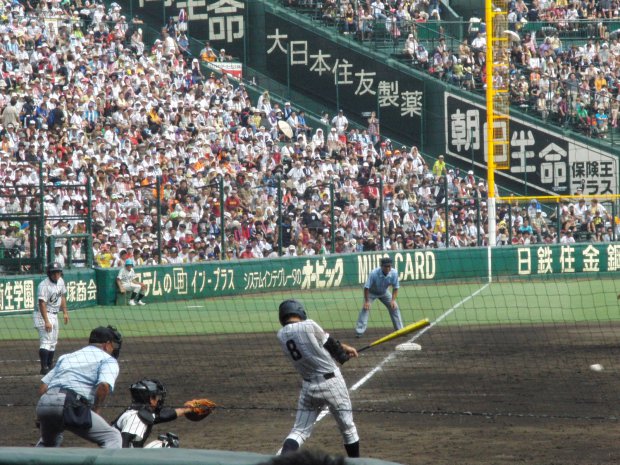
[(416, 336)]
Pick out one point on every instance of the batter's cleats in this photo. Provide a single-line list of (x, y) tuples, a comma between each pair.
[(140, 302), (44, 370), (132, 302)]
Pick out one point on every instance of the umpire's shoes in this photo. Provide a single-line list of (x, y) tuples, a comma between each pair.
[(44, 370), (358, 335)]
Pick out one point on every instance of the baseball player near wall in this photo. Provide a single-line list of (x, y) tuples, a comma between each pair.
[(376, 287), (147, 409), (51, 299), (314, 353), (74, 391), (126, 280)]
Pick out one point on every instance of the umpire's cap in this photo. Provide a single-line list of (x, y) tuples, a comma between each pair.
[(386, 261), (289, 308), (104, 334)]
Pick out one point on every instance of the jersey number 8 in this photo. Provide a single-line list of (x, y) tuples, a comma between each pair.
[(292, 348)]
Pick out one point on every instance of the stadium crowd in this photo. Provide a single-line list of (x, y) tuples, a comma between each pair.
[(85, 102), (567, 72)]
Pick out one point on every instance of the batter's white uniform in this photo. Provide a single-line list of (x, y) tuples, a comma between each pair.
[(51, 293), (323, 385)]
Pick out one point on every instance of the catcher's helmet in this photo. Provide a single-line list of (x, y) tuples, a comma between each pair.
[(291, 307), (142, 391)]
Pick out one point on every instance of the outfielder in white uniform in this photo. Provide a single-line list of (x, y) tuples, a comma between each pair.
[(51, 297), (312, 352), (126, 280)]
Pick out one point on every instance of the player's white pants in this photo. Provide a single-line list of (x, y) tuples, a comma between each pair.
[(386, 299), (315, 395), (132, 287), (47, 340)]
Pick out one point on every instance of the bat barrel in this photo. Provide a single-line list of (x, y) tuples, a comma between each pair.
[(399, 333)]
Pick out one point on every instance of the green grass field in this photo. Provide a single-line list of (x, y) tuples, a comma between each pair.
[(516, 302)]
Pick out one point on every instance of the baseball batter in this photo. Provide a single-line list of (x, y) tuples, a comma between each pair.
[(51, 296), (376, 287), (126, 280), (312, 352)]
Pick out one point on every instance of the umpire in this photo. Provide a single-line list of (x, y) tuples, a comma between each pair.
[(376, 287), (73, 392)]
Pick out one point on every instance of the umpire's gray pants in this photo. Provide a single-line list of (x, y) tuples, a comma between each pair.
[(386, 299), (50, 416)]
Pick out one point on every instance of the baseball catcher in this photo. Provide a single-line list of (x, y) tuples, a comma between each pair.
[(147, 409)]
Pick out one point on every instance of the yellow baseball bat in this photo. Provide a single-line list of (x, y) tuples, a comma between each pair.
[(398, 333)]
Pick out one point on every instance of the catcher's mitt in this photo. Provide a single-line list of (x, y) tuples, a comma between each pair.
[(200, 409)]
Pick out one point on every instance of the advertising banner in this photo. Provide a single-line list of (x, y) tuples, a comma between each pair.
[(212, 279), (339, 75), (550, 161), (234, 70), (19, 293), (221, 22)]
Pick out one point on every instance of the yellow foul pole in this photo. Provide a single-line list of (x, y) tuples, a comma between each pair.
[(497, 104), (490, 137)]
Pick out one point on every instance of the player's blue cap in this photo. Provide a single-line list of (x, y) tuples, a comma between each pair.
[(129, 262)]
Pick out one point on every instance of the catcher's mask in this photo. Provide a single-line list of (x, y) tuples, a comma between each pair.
[(291, 307), (143, 390), (52, 268)]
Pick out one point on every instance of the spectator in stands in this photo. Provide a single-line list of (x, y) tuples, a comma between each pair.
[(378, 10), (207, 54), (439, 167)]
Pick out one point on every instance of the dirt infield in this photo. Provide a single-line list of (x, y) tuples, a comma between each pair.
[(472, 396)]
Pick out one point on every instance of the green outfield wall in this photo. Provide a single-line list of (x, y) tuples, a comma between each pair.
[(86, 456), (212, 279), (88, 287), (18, 293)]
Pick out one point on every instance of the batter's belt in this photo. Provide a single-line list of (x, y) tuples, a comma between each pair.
[(323, 376)]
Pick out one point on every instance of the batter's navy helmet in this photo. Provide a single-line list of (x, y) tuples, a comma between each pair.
[(52, 268), (142, 391), (291, 307)]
